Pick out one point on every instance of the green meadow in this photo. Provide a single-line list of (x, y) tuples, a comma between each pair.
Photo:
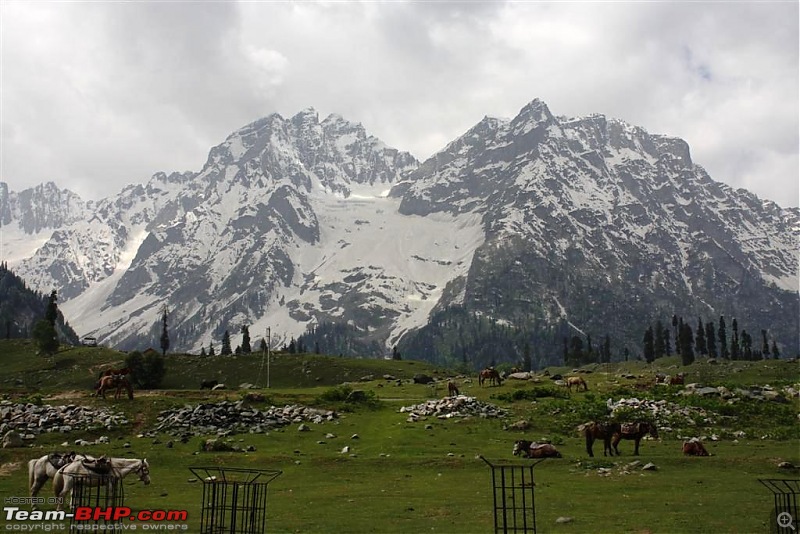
[(427, 476)]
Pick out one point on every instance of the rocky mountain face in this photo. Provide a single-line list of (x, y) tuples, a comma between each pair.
[(549, 224)]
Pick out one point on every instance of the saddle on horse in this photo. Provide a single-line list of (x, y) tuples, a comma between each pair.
[(101, 466), (59, 460)]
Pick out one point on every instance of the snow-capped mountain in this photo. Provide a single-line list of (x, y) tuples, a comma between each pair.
[(294, 222)]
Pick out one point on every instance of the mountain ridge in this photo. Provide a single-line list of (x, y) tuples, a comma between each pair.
[(284, 225)]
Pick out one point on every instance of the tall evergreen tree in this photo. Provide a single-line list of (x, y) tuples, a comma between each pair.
[(164, 334), (658, 340), (526, 357), (775, 352), (686, 343), (765, 345), (246, 349), (711, 340), (722, 335), (675, 331), (607, 350), (700, 338), (51, 313), (746, 342), (648, 345), (226, 344), (735, 348), (211, 350), (202, 351)]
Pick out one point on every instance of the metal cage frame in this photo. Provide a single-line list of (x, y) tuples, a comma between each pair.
[(784, 495), (514, 501), (234, 499)]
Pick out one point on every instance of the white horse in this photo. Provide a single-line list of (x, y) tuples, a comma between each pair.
[(44, 468), (119, 468)]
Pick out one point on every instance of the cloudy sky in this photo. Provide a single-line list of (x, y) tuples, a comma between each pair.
[(96, 95)]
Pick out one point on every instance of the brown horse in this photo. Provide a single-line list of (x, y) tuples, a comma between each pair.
[(605, 431), (491, 375), (531, 449), (576, 381), (452, 389), (634, 431), (114, 381), (694, 447), (677, 380)]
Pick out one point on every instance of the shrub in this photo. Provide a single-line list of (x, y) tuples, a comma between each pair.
[(147, 371)]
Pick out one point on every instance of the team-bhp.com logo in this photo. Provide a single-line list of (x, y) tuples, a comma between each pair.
[(112, 514)]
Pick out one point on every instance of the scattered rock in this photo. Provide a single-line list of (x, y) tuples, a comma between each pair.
[(649, 467), (786, 465), (561, 520), (12, 439)]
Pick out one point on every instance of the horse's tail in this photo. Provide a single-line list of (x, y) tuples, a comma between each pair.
[(31, 474)]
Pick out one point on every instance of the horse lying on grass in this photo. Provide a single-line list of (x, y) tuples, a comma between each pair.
[(531, 449), (694, 447)]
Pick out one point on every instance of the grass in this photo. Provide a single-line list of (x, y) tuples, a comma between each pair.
[(407, 477)]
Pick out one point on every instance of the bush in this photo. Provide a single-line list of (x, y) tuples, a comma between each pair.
[(147, 371), (533, 394), (346, 397)]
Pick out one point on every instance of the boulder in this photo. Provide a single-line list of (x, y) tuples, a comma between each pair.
[(12, 439)]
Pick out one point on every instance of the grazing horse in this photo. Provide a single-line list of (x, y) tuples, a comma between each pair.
[(452, 389), (114, 381), (99, 471), (694, 447), (634, 431), (45, 467), (208, 384), (677, 380), (576, 381), (605, 431), (531, 449), (491, 375)]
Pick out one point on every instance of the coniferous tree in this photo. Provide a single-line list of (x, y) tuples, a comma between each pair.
[(226, 344), (607, 350), (51, 314), (316, 347), (675, 330), (667, 347), (735, 348), (211, 350), (526, 357), (722, 335), (686, 344), (775, 352), (765, 345), (747, 345), (246, 349), (202, 351), (292, 347), (700, 338), (45, 336), (566, 351), (262, 347), (711, 340), (164, 334), (648, 345), (658, 341)]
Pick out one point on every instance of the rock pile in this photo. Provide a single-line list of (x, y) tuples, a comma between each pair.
[(663, 413), (459, 406), (227, 417), (762, 393), (30, 420)]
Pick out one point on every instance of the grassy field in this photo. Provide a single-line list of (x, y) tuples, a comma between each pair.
[(426, 476)]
